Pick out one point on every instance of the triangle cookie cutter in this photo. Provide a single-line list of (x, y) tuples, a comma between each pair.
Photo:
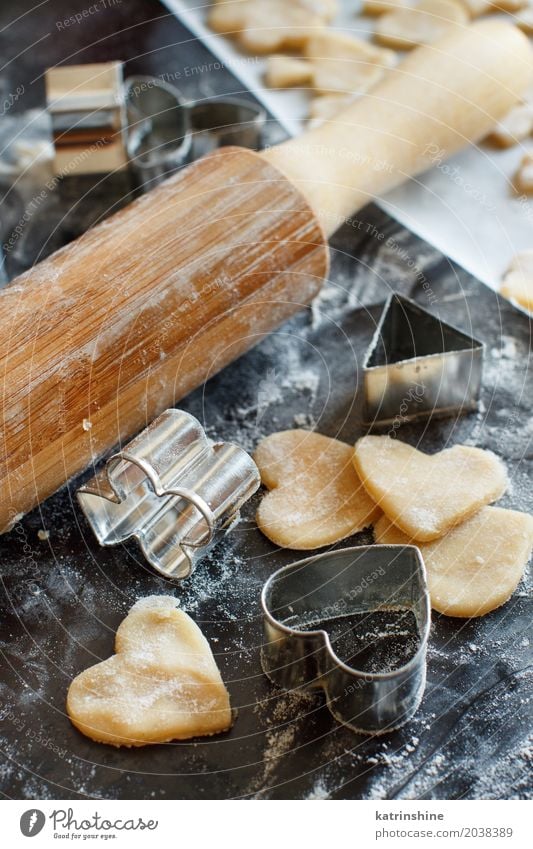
[(418, 366)]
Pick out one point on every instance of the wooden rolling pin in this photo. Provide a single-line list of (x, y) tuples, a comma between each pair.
[(114, 328)]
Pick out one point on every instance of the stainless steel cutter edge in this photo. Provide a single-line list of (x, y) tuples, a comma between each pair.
[(393, 392), (386, 708)]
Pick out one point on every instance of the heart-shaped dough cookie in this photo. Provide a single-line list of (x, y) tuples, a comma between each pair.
[(421, 24), (345, 65), (316, 498), (265, 26), (426, 495), (286, 71), (475, 567), (162, 684)]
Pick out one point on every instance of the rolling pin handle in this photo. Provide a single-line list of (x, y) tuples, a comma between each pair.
[(441, 98)]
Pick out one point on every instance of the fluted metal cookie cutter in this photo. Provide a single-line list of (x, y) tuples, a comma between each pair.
[(354, 623), (172, 489), (419, 366)]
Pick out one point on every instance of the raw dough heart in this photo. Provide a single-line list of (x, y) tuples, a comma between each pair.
[(285, 71), (265, 26), (162, 684), (317, 498), (518, 282), (345, 65), (427, 495), (422, 24), (476, 567)]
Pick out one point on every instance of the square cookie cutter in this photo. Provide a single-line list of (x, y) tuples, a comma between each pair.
[(355, 624), (172, 489), (419, 366)]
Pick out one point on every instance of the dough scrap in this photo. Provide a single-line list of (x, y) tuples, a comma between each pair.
[(426, 495), (161, 684), (515, 127), (316, 498), (285, 71), (266, 26), (424, 23), (228, 18), (523, 179), (477, 566), (345, 65), (518, 282)]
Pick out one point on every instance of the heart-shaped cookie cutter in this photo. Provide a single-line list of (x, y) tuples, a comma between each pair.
[(172, 489), (165, 130), (419, 366), (158, 130), (222, 121), (336, 603)]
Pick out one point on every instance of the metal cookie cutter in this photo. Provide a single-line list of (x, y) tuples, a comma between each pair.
[(172, 489), (225, 121), (354, 623), (418, 366), (159, 136)]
